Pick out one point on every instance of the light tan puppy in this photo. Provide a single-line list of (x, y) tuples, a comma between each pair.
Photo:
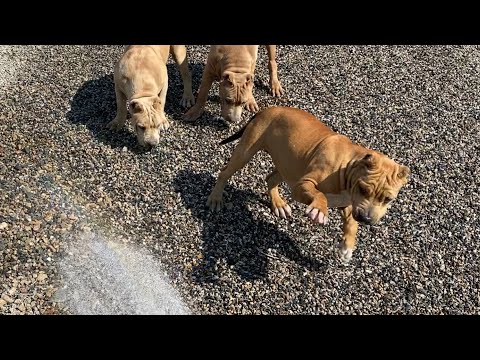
[(141, 79), (234, 67), (322, 168)]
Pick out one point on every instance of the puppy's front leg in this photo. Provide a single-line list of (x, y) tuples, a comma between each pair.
[(350, 228), (252, 105), (160, 106), (196, 111), (179, 54), (306, 192), (119, 121), (272, 68)]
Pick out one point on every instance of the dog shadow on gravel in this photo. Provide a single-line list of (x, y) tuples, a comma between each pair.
[(94, 106), (234, 234)]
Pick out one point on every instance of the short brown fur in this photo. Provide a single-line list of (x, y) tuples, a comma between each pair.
[(234, 67), (322, 168), (141, 79)]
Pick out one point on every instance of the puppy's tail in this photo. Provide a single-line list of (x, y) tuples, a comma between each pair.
[(238, 134)]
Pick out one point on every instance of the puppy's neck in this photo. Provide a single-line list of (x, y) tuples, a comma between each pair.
[(142, 95)]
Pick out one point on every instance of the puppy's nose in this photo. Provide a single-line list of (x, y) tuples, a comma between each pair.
[(231, 119), (364, 218), (151, 143), (361, 216)]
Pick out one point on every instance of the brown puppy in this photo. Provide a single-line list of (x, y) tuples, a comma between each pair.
[(234, 67), (141, 78), (322, 168)]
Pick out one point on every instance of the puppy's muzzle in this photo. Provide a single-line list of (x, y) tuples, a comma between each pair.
[(150, 142), (360, 216)]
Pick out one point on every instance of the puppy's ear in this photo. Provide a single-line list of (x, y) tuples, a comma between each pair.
[(369, 160), (403, 173), (135, 106), (227, 76)]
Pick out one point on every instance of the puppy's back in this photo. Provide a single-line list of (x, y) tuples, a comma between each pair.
[(287, 119)]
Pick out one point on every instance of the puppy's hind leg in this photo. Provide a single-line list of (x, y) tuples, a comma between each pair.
[(179, 54), (240, 157), (119, 121), (279, 205)]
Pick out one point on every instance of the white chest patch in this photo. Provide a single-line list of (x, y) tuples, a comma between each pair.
[(339, 200)]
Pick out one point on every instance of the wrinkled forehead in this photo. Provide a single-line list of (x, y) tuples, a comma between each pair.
[(147, 119), (387, 165), (234, 95), (384, 176)]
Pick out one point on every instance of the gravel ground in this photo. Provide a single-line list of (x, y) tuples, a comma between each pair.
[(63, 176)]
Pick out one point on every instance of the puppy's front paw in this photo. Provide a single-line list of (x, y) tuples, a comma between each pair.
[(215, 202), (281, 208), (251, 105), (316, 215), (115, 124), (276, 88), (188, 100), (164, 125), (283, 211), (345, 254), (193, 114)]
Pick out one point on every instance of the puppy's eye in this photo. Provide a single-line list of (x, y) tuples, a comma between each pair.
[(363, 190), (387, 200), (141, 127)]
